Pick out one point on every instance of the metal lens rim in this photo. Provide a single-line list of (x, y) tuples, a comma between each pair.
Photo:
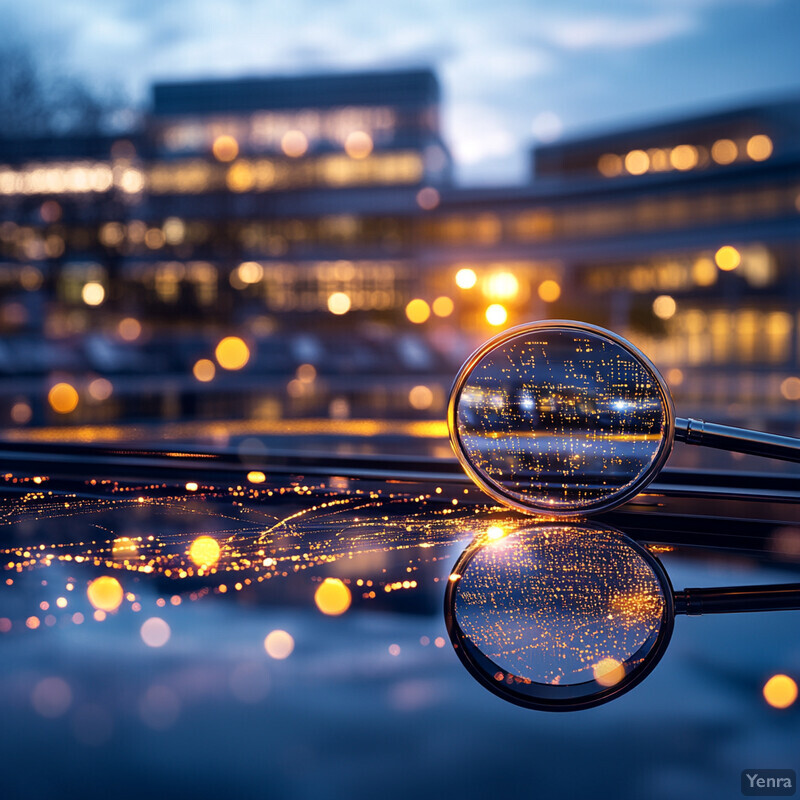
[(500, 493), (508, 693)]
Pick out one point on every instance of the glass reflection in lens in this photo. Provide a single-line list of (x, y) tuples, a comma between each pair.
[(560, 419), (558, 612)]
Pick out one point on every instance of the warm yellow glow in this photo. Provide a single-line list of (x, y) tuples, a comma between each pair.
[(93, 293), (418, 311), (684, 157), (100, 389), (780, 691), (250, 272), (192, 486), (501, 286), (124, 547), (294, 144), (609, 165), (358, 144), (240, 177), (549, 291), (232, 353), (759, 147), (727, 258), (63, 398), (704, 272), (204, 551), (496, 314), (664, 306), (155, 632), (724, 151), (306, 373), (129, 329), (339, 303), (420, 397), (466, 278), (443, 306), (637, 162), (332, 597), (255, 476), (225, 148), (675, 376), (279, 644), (204, 370), (495, 532), (105, 593), (790, 388), (608, 671)]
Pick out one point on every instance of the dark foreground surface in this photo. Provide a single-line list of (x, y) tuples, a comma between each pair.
[(372, 702)]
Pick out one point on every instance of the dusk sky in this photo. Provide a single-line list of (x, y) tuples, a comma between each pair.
[(511, 71)]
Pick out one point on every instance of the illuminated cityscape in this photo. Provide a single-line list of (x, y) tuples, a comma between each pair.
[(313, 224)]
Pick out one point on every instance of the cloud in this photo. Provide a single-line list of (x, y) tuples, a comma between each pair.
[(601, 33)]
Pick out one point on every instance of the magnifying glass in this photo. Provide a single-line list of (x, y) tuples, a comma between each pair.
[(564, 617), (564, 418)]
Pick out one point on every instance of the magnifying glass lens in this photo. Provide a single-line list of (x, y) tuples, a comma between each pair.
[(558, 614), (559, 419)]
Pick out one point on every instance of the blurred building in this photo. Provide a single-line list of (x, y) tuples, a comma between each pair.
[(316, 218)]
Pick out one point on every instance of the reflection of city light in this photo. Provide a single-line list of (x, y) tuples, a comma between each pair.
[(155, 632), (759, 147), (675, 376), (105, 593), (549, 291), (609, 165), (443, 306), (232, 353), (608, 671), (727, 258), (192, 486), (637, 162), (129, 329), (418, 311), (496, 314), (279, 644), (63, 398), (466, 278), (93, 293), (256, 476), (427, 198), (780, 691), (358, 144), (339, 303), (306, 373), (294, 143), (204, 551), (225, 148), (664, 306), (332, 597), (420, 397), (501, 286), (724, 151), (204, 370)]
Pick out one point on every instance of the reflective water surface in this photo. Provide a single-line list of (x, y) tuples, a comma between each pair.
[(560, 419)]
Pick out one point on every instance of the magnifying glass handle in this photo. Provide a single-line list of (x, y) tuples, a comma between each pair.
[(739, 440), (737, 599)]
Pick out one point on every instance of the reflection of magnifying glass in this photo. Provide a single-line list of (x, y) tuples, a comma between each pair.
[(563, 617), (563, 418)]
